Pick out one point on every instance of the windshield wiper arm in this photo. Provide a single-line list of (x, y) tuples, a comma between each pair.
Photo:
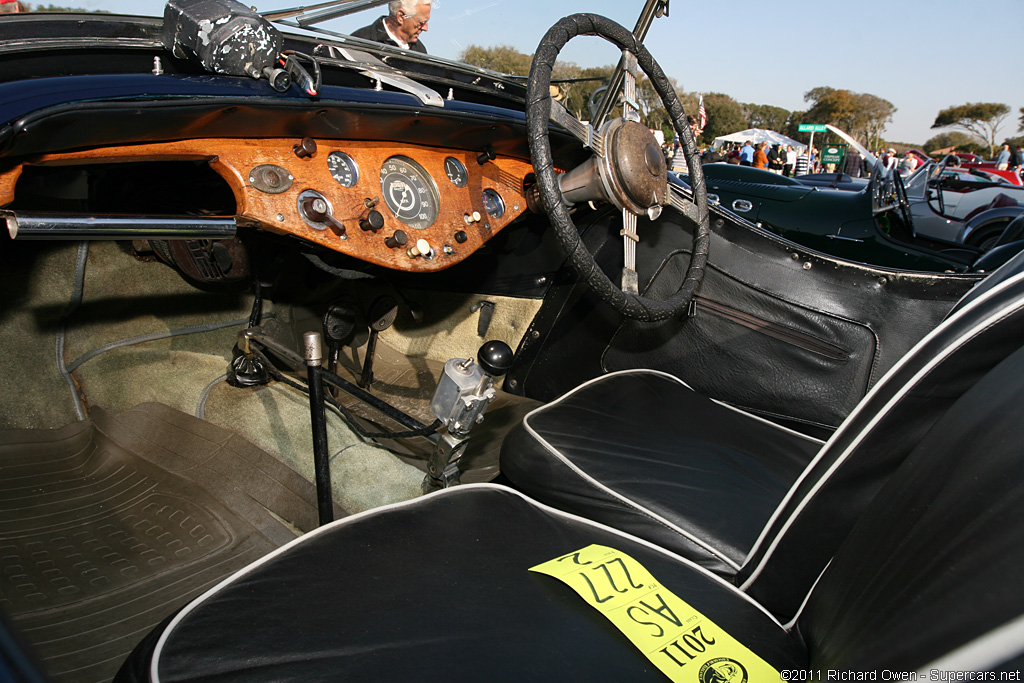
[(328, 10)]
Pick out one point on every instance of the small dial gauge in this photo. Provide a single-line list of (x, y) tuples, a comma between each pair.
[(494, 205), (409, 192), (456, 171), (343, 169)]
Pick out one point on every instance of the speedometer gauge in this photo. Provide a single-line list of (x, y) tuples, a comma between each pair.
[(343, 169), (409, 192)]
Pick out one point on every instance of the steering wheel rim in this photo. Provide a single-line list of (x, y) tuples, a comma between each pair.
[(538, 112)]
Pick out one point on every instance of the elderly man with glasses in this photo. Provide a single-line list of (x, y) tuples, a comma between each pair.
[(402, 27)]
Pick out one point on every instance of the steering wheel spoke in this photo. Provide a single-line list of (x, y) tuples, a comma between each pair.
[(683, 205), (630, 105), (630, 279), (591, 138)]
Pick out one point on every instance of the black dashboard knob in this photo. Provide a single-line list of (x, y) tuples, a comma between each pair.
[(373, 221), (305, 148), (485, 156), (397, 240)]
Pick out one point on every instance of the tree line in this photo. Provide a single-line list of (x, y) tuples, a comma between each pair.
[(862, 115), (27, 7)]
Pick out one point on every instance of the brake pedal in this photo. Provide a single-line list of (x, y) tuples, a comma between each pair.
[(339, 326)]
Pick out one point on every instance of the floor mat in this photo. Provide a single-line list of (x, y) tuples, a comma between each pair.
[(108, 526)]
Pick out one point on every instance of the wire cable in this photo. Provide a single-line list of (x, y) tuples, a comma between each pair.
[(154, 336), (76, 301), (203, 397)]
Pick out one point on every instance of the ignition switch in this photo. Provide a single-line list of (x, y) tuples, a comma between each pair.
[(317, 212)]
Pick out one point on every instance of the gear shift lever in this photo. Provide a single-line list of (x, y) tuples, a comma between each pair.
[(464, 392)]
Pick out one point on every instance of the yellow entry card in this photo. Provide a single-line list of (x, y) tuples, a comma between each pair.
[(679, 640)]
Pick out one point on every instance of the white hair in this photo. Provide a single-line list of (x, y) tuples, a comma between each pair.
[(409, 7)]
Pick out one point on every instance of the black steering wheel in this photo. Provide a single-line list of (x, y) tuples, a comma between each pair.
[(627, 163)]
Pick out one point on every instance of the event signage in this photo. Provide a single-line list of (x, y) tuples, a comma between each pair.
[(812, 128), (833, 154)]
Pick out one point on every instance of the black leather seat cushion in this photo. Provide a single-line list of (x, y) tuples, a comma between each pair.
[(640, 451), (436, 589)]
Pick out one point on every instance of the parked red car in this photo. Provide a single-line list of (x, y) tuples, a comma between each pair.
[(969, 161)]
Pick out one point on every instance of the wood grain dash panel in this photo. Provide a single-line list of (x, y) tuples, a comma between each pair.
[(233, 159)]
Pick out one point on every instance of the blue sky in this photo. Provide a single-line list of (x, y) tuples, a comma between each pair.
[(921, 55)]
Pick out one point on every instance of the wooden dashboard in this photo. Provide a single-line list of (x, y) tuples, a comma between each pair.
[(404, 207)]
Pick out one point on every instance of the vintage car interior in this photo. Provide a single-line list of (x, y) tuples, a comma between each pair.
[(326, 360)]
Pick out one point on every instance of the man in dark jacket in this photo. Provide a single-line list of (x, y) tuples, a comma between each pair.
[(776, 159), (402, 27)]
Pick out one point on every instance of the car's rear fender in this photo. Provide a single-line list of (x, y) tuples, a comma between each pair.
[(987, 221)]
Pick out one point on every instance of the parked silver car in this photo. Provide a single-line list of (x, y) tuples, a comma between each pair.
[(966, 206)]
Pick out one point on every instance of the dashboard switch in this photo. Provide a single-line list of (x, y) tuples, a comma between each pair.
[(421, 248), (485, 156), (372, 221), (305, 148), (399, 239), (317, 211)]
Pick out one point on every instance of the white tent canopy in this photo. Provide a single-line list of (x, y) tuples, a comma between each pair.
[(756, 135)]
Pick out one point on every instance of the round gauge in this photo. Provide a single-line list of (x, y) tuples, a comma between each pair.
[(343, 169), (456, 171), (409, 192), (493, 203)]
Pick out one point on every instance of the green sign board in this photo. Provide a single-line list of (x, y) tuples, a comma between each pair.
[(812, 128), (833, 154)]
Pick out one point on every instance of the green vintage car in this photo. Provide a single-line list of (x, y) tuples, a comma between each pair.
[(870, 221)]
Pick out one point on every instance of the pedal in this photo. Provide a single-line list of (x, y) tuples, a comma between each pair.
[(382, 316), (339, 326)]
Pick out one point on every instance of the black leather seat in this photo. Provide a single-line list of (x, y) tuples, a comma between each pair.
[(639, 451), (440, 588)]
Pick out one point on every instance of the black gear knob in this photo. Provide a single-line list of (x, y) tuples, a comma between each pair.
[(495, 358)]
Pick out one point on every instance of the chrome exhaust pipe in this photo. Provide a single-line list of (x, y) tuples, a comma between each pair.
[(31, 226)]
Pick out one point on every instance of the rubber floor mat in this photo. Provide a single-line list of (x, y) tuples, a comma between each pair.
[(109, 525)]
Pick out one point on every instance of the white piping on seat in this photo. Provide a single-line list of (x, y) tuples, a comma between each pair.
[(454, 491), (631, 503)]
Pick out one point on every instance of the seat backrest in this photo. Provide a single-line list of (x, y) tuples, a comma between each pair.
[(831, 494), (931, 575)]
